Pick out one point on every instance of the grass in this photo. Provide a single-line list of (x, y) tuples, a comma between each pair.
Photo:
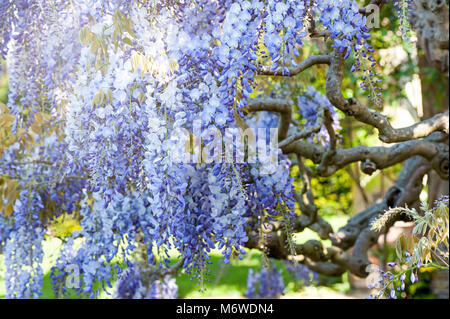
[(224, 281)]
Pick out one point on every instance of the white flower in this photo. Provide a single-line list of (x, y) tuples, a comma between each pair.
[(98, 29), (123, 78), (289, 23), (281, 8), (195, 94), (277, 17), (100, 112), (120, 95), (235, 8), (169, 95)]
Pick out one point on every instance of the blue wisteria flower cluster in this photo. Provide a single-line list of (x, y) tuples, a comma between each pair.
[(346, 25), (132, 284), (268, 283), (349, 31), (308, 105), (301, 274), (23, 249), (22, 235)]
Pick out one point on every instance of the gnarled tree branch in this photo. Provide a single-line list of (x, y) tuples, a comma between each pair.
[(302, 66), (363, 114)]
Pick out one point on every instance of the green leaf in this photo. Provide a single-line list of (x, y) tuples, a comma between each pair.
[(400, 246), (127, 41)]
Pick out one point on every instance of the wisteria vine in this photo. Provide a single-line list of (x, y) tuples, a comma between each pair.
[(97, 89)]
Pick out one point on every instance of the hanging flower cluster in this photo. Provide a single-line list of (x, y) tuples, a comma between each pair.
[(131, 285), (268, 283), (308, 104)]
